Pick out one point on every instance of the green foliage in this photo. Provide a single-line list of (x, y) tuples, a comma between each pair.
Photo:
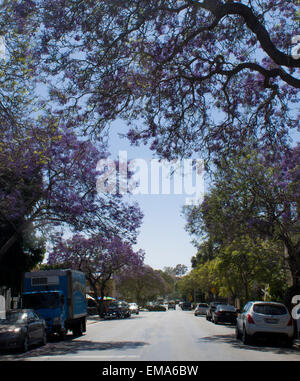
[(240, 269), (57, 266), (245, 234), (143, 285), (23, 256)]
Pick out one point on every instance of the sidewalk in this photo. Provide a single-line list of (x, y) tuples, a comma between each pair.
[(91, 319)]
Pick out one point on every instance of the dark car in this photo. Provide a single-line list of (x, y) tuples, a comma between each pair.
[(211, 307), (118, 309), (224, 313), (21, 328), (186, 306)]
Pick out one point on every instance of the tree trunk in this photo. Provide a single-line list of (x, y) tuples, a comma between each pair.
[(92, 283), (293, 259), (102, 294)]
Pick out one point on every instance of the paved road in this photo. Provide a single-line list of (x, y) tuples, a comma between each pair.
[(157, 336)]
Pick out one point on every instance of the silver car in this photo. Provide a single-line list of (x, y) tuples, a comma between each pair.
[(201, 309), (134, 308), (264, 319)]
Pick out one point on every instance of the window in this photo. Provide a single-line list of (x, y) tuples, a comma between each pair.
[(223, 307), (246, 307), (36, 316), (269, 309), (30, 316), (13, 317), (43, 300)]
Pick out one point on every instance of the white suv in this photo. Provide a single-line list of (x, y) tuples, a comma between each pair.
[(264, 319)]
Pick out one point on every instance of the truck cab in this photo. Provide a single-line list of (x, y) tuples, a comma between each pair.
[(50, 305)]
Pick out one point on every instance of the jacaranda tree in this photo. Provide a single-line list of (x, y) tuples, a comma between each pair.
[(49, 179), (198, 76), (99, 258), (47, 172)]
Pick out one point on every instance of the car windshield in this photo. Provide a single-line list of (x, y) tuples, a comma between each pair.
[(269, 309), (113, 305), (43, 300), (14, 318)]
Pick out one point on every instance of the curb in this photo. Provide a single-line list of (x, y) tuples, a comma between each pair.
[(93, 320)]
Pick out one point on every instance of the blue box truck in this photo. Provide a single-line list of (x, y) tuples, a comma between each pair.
[(59, 297)]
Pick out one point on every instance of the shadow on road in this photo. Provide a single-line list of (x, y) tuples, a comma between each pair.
[(70, 346), (96, 318), (263, 346)]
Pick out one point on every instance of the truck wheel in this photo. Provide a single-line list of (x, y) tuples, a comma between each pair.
[(83, 324), (62, 334), (77, 331)]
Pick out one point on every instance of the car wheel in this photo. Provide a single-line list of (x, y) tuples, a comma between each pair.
[(245, 337), (44, 338), (289, 342), (237, 333), (25, 344)]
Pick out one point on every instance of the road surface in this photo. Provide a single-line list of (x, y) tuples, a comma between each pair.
[(156, 336)]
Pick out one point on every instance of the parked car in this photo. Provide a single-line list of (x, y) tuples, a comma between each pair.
[(91, 305), (201, 309), (211, 307), (186, 306), (224, 313), (134, 308), (21, 328), (264, 319), (156, 307), (118, 309)]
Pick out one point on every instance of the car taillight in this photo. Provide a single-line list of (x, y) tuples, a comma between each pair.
[(290, 321), (250, 319)]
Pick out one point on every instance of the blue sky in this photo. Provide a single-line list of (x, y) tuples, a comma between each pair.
[(162, 234)]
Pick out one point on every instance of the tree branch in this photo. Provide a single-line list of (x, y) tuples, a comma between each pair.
[(219, 10)]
